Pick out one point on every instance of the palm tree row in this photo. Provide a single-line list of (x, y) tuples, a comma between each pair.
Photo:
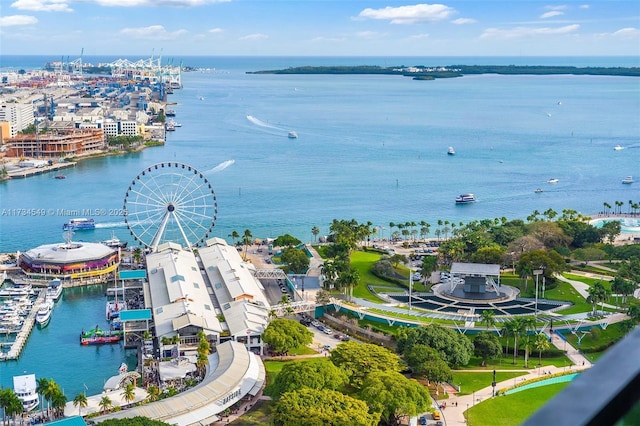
[(52, 393), (633, 207)]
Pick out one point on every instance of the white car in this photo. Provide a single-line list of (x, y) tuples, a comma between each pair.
[(327, 330)]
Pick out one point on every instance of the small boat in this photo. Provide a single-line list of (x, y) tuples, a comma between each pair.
[(465, 199), (538, 190), (44, 313), (25, 388), (113, 309), (170, 126), (553, 180), (293, 135), (79, 224), (627, 180), (451, 151), (618, 148), (98, 336), (170, 113), (114, 242), (54, 290), (60, 176)]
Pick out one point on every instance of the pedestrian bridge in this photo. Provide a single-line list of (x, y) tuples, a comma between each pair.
[(283, 309)]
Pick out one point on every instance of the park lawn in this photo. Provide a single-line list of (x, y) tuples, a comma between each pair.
[(598, 337), (258, 415), (506, 363), (362, 261), (472, 381), (512, 409), (565, 292), (588, 280)]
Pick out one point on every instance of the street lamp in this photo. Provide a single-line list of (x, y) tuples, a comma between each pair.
[(410, 285)]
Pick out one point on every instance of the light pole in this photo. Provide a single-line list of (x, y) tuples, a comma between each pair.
[(410, 285), (537, 273)]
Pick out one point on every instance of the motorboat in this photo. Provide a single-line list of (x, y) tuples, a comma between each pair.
[(465, 199), (54, 290), (114, 242), (25, 388), (618, 148), (60, 176), (451, 151), (538, 190), (170, 126), (628, 179), (553, 180), (293, 135), (79, 224), (43, 315)]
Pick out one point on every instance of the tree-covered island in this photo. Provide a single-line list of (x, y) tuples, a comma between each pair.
[(421, 72)]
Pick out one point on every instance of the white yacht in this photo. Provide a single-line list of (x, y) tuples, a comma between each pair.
[(628, 179), (618, 148), (25, 387), (293, 135), (553, 180), (465, 199), (54, 290), (451, 151), (43, 315)]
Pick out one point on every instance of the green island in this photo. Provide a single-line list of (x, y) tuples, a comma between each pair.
[(422, 72)]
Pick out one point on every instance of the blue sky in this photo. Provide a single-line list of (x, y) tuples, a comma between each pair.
[(320, 27)]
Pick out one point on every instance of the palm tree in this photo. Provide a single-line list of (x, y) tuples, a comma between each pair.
[(246, 240), (80, 401), (488, 318), (154, 393), (10, 403), (541, 343), (58, 401), (518, 329), (529, 326), (234, 236), (129, 393), (105, 403), (508, 329), (315, 231)]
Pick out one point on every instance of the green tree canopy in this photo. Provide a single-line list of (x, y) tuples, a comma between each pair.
[(392, 396), (426, 362), (296, 260), (321, 407), (361, 359), (285, 335), (487, 346), (309, 373), (286, 240), (454, 348)]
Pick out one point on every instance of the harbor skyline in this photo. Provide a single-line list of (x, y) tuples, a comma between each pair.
[(320, 28)]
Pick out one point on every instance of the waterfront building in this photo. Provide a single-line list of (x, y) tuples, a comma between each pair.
[(70, 261), (58, 144)]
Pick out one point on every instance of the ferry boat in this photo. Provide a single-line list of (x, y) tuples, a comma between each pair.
[(293, 135), (79, 224), (25, 387), (465, 199), (54, 290), (451, 151), (627, 180)]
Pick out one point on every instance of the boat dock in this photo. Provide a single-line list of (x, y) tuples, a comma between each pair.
[(15, 347), (25, 172)]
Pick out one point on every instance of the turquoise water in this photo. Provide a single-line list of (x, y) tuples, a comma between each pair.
[(627, 225), (372, 148)]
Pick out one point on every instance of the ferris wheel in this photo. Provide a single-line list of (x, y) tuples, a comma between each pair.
[(170, 202)]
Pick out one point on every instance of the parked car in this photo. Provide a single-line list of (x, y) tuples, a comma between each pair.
[(345, 338), (327, 330), (422, 420)]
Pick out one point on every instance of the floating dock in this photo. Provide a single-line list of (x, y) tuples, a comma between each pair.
[(15, 347), (25, 172)]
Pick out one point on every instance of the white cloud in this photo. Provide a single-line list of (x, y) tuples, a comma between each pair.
[(520, 32), (15, 20), (42, 5), (329, 39), (256, 36), (627, 32), (153, 32), (584, 6), (410, 14), (463, 21), (144, 3), (368, 35), (215, 30), (418, 36), (551, 14)]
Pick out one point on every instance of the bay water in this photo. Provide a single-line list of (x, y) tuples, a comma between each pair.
[(371, 148)]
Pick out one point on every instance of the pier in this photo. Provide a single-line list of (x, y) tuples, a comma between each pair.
[(25, 172), (15, 347)]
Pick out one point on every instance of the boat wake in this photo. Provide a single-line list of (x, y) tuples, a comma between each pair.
[(220, 167), (110, 225), (261, 123)]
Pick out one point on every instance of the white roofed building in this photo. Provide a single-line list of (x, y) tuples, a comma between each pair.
[(179, 296), (239, 294)]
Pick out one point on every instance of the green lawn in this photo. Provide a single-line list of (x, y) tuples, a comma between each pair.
[(258, 415), (471, 381), (512, 409)]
